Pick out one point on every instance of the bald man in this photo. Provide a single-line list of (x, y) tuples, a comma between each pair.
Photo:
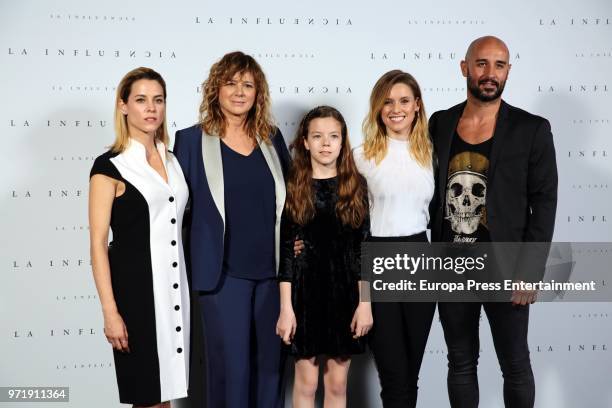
[(496, 181)]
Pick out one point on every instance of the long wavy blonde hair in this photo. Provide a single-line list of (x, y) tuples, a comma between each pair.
[(124, 89), (375, 131), (259, 119)]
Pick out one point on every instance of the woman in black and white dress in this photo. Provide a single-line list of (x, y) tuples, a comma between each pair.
[(137, 189)]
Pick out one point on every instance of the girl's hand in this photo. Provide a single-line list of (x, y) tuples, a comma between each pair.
[(362, 320), (285, 328), (298, 246), (116, 332)]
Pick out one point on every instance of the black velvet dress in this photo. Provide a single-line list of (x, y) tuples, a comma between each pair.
[(324, 277)]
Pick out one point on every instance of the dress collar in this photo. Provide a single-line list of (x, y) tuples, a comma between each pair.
[(138, 151)]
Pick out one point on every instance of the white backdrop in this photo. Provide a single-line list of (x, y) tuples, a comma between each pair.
[(61, 61)]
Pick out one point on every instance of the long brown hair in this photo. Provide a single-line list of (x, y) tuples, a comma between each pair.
[(124, 89), (259, 119), (375, 131), (352, 192)]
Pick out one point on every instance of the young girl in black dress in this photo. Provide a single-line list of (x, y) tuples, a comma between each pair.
[(322, 313)]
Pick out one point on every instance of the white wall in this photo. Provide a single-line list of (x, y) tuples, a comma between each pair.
[(61, 62)]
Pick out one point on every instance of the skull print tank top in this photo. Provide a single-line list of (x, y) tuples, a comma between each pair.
[(465, 212)]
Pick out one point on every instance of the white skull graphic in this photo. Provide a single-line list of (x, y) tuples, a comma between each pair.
[(465, 201)]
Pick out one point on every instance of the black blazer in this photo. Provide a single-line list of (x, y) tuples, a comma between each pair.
[(522, 180)]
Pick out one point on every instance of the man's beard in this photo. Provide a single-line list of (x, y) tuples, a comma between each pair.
[(481, 95)]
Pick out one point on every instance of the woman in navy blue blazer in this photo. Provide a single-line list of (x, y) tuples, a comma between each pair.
[(234, 161)]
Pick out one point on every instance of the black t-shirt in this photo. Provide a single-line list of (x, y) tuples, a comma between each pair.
[(465, 213)]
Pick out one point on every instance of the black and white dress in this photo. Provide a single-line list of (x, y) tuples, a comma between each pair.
[(148, 275)]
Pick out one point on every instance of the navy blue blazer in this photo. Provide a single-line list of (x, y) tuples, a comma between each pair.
[(200, 158)]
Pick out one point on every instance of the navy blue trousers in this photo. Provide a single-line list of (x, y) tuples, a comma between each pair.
[(243, 354)]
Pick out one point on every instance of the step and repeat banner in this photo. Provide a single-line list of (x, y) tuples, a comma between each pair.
[(62, 60)]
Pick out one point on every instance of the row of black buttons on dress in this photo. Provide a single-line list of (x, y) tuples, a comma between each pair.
[(175, 285)]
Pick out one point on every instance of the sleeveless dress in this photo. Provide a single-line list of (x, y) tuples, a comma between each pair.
[(148, 275)]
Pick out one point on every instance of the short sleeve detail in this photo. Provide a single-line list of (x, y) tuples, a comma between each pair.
[(103, 165)]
